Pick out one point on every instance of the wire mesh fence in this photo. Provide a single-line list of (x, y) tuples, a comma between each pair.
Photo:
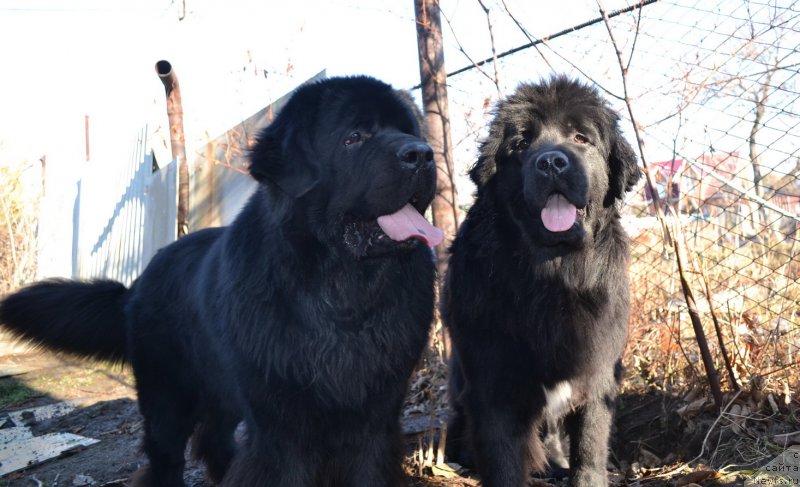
[(715, 90)]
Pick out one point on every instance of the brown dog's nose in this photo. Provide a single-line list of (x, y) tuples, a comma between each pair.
[(552, 162)]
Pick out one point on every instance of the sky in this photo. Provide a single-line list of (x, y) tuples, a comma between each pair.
[(64, 59)]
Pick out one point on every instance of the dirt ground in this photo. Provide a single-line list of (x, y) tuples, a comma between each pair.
[(653, 434)]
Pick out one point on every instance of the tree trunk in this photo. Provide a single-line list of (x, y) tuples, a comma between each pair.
[(433, 79)]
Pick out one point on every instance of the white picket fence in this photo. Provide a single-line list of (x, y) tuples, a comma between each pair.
[(125, 211)]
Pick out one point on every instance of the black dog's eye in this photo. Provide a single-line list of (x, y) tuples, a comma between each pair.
[(582, 139), (352, 138), (522, 144)]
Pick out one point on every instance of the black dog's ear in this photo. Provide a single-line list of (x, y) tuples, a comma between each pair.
[(624, 172), (269, 164), (416, 112)]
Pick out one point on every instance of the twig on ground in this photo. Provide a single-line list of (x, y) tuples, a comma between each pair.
[(716, 421)]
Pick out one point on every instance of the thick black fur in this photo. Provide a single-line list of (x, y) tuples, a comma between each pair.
[(528, 308), (77, 302), (301, 318)]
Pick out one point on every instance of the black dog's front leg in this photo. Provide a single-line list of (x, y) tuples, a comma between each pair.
[(503, 445), (589, 429), (288, 468), (377, 461)]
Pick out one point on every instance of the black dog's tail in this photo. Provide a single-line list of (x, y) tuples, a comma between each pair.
[(82, 318)]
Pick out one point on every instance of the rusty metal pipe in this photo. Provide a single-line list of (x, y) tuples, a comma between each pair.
[(177, 140)]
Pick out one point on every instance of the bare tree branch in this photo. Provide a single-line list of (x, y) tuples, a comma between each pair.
[(574, 66), (527, 34), (672, 233), (494, 50), (463, 51), (641, 4)]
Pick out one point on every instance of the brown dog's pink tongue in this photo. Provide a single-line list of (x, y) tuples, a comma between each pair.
[(408, 223), (559, 214)]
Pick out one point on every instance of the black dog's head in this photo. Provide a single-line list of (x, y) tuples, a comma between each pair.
[(348, 153), (555, 158)]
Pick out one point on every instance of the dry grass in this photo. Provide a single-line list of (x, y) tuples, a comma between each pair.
[(749, 283), (18, 214)]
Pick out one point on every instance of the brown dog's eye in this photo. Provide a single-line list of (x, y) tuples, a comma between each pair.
[(352, 138), (522, 144), (582, 139)]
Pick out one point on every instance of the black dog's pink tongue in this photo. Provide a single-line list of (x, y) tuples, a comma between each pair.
[(559, 214), (408, 223)]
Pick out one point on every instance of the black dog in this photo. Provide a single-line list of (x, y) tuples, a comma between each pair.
[(536, 295), (304, 318)]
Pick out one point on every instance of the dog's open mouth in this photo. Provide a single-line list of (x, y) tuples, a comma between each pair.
[(403, 229), (560, 214)]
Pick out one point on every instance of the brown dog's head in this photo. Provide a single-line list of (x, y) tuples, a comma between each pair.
[(555, 158)]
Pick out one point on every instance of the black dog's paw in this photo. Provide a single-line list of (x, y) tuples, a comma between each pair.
[(558, 473)]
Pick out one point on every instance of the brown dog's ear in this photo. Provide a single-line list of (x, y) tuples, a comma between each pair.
[(486, 165), (270, 165), (624, 172)]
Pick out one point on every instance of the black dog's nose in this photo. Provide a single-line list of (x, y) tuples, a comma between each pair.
[(416, 153), (552, 162)]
